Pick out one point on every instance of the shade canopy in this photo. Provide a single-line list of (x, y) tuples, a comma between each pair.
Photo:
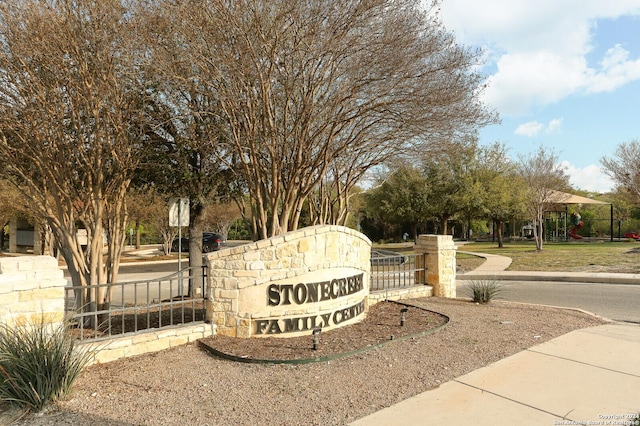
[(559, 197), (559, 202)]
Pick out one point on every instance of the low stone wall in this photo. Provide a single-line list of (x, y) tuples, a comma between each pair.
[(145, 342), (31, 291), (396, 294), (290, 284)]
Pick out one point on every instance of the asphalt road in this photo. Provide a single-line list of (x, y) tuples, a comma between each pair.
[(614, 301)]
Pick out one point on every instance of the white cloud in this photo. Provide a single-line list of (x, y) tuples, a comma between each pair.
[(554, 125), (539, 48), (589, 178), (616, 70), (533, 128)]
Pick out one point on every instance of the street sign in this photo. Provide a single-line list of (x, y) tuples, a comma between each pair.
[(179, 212)]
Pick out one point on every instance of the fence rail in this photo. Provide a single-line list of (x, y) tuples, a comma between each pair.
[(394, 270), (179, 298), (138, 305)]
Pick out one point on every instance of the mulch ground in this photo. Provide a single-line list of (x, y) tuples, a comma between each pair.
[(382, 324)]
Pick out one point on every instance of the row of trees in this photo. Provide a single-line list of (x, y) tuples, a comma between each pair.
[(482, 183), (472, 182), (279, 105)]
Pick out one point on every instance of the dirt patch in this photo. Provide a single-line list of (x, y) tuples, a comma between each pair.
[(382, 324)]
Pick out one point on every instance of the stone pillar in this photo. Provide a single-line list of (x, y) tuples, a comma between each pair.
[(441, 263), (32, 290)]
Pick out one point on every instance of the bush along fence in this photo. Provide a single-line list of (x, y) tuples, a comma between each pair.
[(289, 285)]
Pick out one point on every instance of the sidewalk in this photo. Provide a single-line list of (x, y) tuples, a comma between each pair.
[(584, 377), (588, 376)]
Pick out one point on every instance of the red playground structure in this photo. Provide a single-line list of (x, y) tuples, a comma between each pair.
[(577, 224)]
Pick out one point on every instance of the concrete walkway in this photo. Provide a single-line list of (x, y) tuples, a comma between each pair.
[(493, 262), (495, 267), (589, 376), (583, 377)]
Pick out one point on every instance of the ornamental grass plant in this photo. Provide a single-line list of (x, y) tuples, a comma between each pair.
[(38, 364), (484, 291)]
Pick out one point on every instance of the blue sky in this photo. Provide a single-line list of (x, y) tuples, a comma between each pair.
[(563, 74)]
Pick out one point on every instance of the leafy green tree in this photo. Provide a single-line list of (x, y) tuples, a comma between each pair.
[(452, 187), (401, 199), (502, 190), (178, 158)]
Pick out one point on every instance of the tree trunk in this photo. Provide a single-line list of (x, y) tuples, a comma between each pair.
[(137, 234), (539, 236), (443, 225)]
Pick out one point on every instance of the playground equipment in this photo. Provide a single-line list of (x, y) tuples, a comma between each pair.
[(557, 219), (577, 224)]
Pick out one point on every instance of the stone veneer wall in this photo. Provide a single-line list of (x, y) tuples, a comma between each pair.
[(440, 276), (145, 342), (396, 294), (239, 277), (31, 291)]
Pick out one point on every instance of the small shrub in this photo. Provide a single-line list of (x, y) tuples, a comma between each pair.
[(38, 364), (483, 291)]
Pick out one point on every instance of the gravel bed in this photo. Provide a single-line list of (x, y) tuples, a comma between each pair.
[(187, 385)]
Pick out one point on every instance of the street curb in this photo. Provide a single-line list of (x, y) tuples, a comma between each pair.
[(602, 278)]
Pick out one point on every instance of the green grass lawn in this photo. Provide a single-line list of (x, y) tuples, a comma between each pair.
[(572, 257), (622, 257)]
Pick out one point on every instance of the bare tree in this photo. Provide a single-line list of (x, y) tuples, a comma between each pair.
[(184, 156), (219, 217), (148, 206), (542, 176), (68, 104), (316, 93), (624, 167)]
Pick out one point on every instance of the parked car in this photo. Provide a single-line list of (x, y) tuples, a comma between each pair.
[(210, 242)]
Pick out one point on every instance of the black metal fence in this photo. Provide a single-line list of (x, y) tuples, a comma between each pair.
[(179, 298), (393, 270), (138, 305)]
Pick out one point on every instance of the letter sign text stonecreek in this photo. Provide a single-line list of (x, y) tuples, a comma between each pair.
[(300, 294)]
